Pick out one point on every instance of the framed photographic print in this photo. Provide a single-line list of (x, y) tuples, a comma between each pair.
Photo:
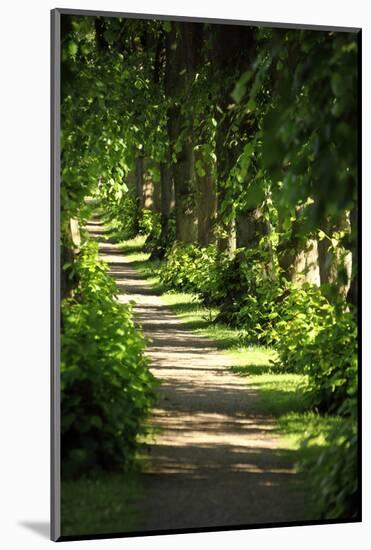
[(205, 288)]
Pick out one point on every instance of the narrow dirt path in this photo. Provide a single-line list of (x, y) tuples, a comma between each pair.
[(214, 462)]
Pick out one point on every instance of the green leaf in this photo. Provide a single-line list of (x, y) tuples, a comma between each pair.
[(72, 48), (240, 87), (166, 26), (96, 421), (200, 169)]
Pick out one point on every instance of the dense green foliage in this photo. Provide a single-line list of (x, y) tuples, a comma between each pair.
[(316, 338), (312, 337), (121, 214), (334, 473), (106, 388), (233, 150), (188, 267), (107, 503), (328, 443)]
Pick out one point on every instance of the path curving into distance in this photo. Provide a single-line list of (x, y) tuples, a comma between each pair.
[(214, 462)]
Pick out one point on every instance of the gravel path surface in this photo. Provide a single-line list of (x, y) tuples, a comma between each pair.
[(214, 462)]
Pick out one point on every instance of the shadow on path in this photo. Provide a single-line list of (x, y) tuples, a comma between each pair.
[(214, 460)]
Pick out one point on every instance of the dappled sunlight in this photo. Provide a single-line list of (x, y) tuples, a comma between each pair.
[(221, 431), (254, 467), (209, 275), (202, 405), (239, 484), (207, 431)]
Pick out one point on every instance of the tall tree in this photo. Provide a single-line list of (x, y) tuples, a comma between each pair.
[(231, 52), (181, 45)]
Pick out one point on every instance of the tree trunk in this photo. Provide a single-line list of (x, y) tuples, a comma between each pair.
[(156, 194), (305, 265), (138, 192), (250, 228), (70, 248), (130, 181), (184, 187), (226, 223), (148, 186), (232, 48), (167, 200), (139, 181), (179, 75), (335, 264), (298, 257), (206, 203), (227, 241)]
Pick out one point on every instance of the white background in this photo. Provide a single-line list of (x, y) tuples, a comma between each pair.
[(24, 272)]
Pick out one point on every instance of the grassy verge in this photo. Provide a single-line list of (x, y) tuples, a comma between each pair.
[(186, 306), (304, 433), (281, 395), (106, 504)]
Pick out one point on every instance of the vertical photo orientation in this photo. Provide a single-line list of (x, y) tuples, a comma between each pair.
[(205, 275)]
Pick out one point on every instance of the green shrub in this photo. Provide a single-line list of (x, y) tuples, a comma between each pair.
[(160, 238), (188, 267), (317, 338), (248, 294), (121, 214), (240, 286), (332, 363), (302, 314), (312, 336), (106, 387), (219, 287), (149, 223), (333, 474)]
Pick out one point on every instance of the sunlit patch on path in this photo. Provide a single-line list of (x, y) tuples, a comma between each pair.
[(214, 461)]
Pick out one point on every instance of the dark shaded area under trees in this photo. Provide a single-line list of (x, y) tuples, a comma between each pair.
[(234, 149)]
